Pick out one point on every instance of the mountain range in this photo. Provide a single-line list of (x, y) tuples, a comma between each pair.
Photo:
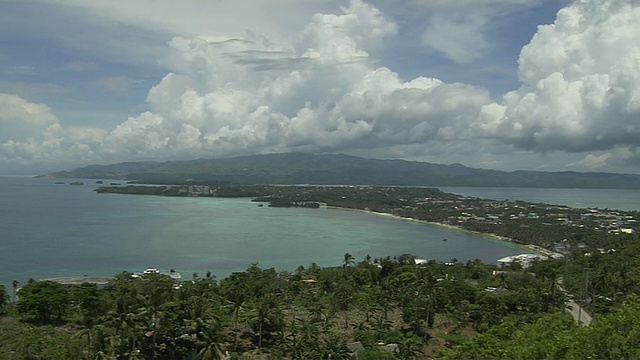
[(340, 169)]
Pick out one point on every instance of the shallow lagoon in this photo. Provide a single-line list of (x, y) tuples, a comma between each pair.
[(52, 230)]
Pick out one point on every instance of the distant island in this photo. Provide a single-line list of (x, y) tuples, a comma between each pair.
[(340, 169)]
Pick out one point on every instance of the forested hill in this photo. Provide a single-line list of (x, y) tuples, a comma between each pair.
[(334, 169)]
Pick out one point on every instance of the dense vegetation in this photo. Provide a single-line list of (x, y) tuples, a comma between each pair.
[(309, 314), (386, 308), (338, 169)]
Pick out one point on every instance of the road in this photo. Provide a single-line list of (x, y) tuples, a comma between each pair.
[(578, 313), (572, 307)]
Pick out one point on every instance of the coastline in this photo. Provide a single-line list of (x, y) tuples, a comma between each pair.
[(528, 247), (206, 191)]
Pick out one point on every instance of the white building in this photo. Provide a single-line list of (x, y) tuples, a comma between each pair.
[(524, 259)]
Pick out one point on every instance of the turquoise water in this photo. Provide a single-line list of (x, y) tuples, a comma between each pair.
[(50, 230)]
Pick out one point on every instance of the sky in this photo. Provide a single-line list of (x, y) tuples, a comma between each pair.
[(551, 85)]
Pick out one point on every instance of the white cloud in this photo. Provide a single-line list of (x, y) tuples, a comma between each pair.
[(592, 161), (137, 24), (21, 119), (581, 83), (258, 90), (467, 3), (322, 93), (460, 38), (30, 134), (618, 157)]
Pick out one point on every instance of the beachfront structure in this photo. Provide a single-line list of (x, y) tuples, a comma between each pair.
[(523, 259)]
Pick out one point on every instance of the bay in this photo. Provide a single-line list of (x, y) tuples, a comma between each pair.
[(55, 230), (618, 199)]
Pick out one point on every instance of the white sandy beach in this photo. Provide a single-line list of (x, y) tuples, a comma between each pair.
[(531, 248)]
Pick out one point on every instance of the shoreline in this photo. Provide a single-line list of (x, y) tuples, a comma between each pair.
[(531, 248)]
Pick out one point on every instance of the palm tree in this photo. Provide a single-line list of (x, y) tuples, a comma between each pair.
[(151, 309), (342, 298), (348, 260), (15, 289), (303, 341), (368, 299), (386, 299), (96, 339), (236, 295), (195, 310), (267, 314), (333, 347), (124, 321), (312, 302), (410, 348), (211, 345)]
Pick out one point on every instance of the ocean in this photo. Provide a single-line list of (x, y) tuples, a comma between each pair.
[(58, 230)]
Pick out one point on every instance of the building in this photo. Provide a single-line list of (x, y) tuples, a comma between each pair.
[(526, 260)]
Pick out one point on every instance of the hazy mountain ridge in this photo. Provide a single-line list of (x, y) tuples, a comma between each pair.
[(340, 169)]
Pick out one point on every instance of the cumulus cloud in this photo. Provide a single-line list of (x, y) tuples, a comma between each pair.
[(325, 91), (581, 83), (322, 93), (618, 156), (31, 134), (21, 119), (592, 161)]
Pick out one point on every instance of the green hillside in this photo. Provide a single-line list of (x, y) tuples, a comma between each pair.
[(339, 169)]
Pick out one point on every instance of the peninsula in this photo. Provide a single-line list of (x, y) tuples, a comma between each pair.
[(551, 228)]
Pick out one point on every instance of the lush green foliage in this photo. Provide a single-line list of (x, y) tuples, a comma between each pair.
[(312, 313), (44, 299), (337, 169), (557, 336), (4, 298)]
